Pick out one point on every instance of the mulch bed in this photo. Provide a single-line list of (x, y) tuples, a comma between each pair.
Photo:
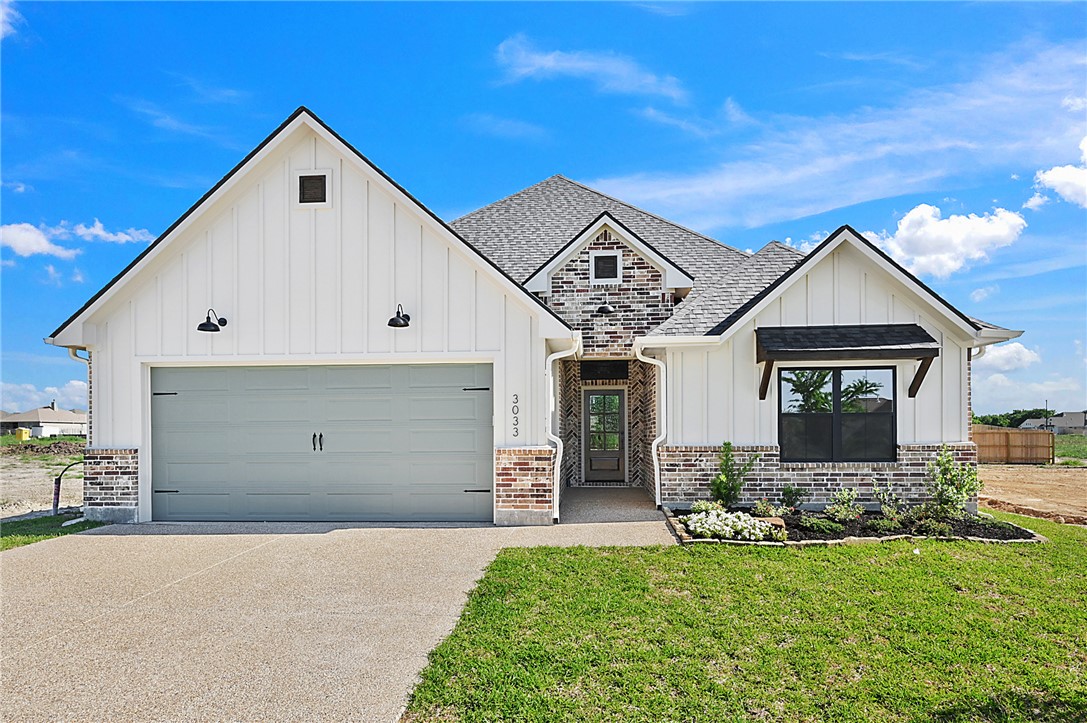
[(970, 527)]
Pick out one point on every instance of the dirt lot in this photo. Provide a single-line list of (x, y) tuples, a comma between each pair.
[(27, 486), (1053, 492)]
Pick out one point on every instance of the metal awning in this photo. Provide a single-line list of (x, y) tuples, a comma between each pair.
[(843, 342)]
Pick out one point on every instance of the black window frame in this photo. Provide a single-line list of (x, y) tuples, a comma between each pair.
[(302, 179), (614, 259), (837, 414)]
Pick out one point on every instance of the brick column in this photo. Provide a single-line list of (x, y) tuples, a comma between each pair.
[(111, 480), (523, 493)]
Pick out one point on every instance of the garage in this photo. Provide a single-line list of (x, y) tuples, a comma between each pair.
[(404, 442)]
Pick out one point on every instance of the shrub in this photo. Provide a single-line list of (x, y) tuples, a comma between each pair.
[(726, 486), (706, 506), (763, 508), (793, 497), (951, 484), (932, 528), (884, 525), (843, 506), (890, 504), (819, 524), (778, 534), (727, 525), (931, 511)]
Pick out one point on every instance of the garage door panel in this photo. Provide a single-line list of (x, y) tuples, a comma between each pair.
[(400, 443)]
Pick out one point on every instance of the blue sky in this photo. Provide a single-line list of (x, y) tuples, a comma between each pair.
[(952, 134)]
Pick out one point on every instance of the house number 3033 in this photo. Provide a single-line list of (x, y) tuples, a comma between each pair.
[(515, 411)]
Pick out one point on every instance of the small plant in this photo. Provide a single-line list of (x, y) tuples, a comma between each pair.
[(778, 534), (884, 525), (843, 506), (726, 486), (932, 528), (950, 484), (706, 506), (819, 524), (763, 508), (727, 526), (890, 504), (793, 497)]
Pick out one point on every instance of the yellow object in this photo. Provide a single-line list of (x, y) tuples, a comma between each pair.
[(22, 434)]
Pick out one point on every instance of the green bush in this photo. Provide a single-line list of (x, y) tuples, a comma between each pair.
[(950, 484), (932, 528), (726, 486), (763, 508), (843, 506), (890, 504), (819, 524), (778, 534), (793, 496), (884, 526), (706, 506)]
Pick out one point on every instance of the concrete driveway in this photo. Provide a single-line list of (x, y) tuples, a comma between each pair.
[(244, 621)]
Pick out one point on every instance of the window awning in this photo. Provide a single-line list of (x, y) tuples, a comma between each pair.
[(843, 342)]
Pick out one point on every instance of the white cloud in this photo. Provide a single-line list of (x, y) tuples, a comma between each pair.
[(505, 127), (9, 18), (52, 276), (926, 243), (27, 240), (1036, 201), (1008, 357), (16, 187), (25, 397), (730, 117), (997, 393), (207, 93), (1069, 182), (97, 232), (979, 295), (1002, 118), (1074, 103), (77, 276), (612, 73)]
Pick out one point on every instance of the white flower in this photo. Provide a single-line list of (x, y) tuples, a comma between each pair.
[(727, 525)]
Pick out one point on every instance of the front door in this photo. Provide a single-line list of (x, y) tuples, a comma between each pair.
[(605, 435)]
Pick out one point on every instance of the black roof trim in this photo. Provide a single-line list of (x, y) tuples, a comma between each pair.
[(621, 225), (290, 119), (844, 341), (732, 318)]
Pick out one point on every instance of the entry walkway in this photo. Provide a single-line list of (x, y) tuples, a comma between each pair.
[(607, 504)]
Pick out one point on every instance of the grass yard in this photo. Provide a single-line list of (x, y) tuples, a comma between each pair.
[(1072, 446), (24, 532), (959, 632)]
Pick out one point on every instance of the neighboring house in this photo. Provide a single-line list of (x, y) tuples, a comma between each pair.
[(1063, 423), (377, 363), (46, 422)]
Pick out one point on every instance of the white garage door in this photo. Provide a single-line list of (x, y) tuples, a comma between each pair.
[(396, 443)]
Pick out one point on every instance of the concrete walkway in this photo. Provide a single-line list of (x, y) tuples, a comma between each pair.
[(244, 622)]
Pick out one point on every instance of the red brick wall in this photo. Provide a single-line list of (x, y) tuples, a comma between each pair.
[(523, 485), (111, 484)]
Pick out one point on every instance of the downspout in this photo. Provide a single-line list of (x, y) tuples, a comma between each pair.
[(662, 413), (549, 376)]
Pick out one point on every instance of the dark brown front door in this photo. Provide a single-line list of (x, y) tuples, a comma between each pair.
[(605, 435)]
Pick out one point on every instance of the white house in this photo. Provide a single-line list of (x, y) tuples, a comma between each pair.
[(310, 342), (50, 421)]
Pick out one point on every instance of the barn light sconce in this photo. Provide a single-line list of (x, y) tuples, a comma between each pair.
[(401, 320), (209, 325), (605, 309)]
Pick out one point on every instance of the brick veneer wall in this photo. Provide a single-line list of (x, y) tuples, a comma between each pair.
[(90, 398), (686, 473), (111, 484), (640, 301), (523, 485)]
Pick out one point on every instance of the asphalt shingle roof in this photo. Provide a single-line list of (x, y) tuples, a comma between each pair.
[(521, 232), (781, 342)]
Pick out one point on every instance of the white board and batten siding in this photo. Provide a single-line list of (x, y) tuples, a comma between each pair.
[(714, 389), (313, 286)]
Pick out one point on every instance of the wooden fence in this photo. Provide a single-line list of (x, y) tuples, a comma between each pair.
[(1003, 445)]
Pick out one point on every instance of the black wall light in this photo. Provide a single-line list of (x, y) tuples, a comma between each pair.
[(209, 325), (401, 319), (605, 309)]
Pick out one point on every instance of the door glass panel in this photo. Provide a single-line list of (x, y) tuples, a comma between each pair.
[(596, 403), (612, 442), (596, 442), (611, 423), (612, 403), (596, 423)]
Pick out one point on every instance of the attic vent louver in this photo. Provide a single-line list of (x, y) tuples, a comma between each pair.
[(312, 189)]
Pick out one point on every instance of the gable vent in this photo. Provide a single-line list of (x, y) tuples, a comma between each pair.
[(313, 189)]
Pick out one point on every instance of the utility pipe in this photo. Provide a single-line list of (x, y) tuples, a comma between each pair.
[(551, 394), (662, 412)]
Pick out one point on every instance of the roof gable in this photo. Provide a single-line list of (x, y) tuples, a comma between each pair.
[(67, 333), (674, 276)]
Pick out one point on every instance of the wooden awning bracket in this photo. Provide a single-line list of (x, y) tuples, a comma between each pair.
[(767, 373), (919, 377)]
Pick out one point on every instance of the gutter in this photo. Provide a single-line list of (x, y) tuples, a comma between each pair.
[(549, 377), (662, 413)]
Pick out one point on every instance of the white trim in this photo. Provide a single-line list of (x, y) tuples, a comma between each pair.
[(601, 281), (672, 277), (296, 177)]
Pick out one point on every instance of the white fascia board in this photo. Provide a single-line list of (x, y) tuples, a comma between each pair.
[(673, 278), (666, 342)]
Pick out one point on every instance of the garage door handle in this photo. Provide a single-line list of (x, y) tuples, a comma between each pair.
[(315, 441), (321, 441), (477, 490)]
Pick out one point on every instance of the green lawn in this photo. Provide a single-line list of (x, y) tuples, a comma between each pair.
[(1071, 445), (959, 632), (24, 532)]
